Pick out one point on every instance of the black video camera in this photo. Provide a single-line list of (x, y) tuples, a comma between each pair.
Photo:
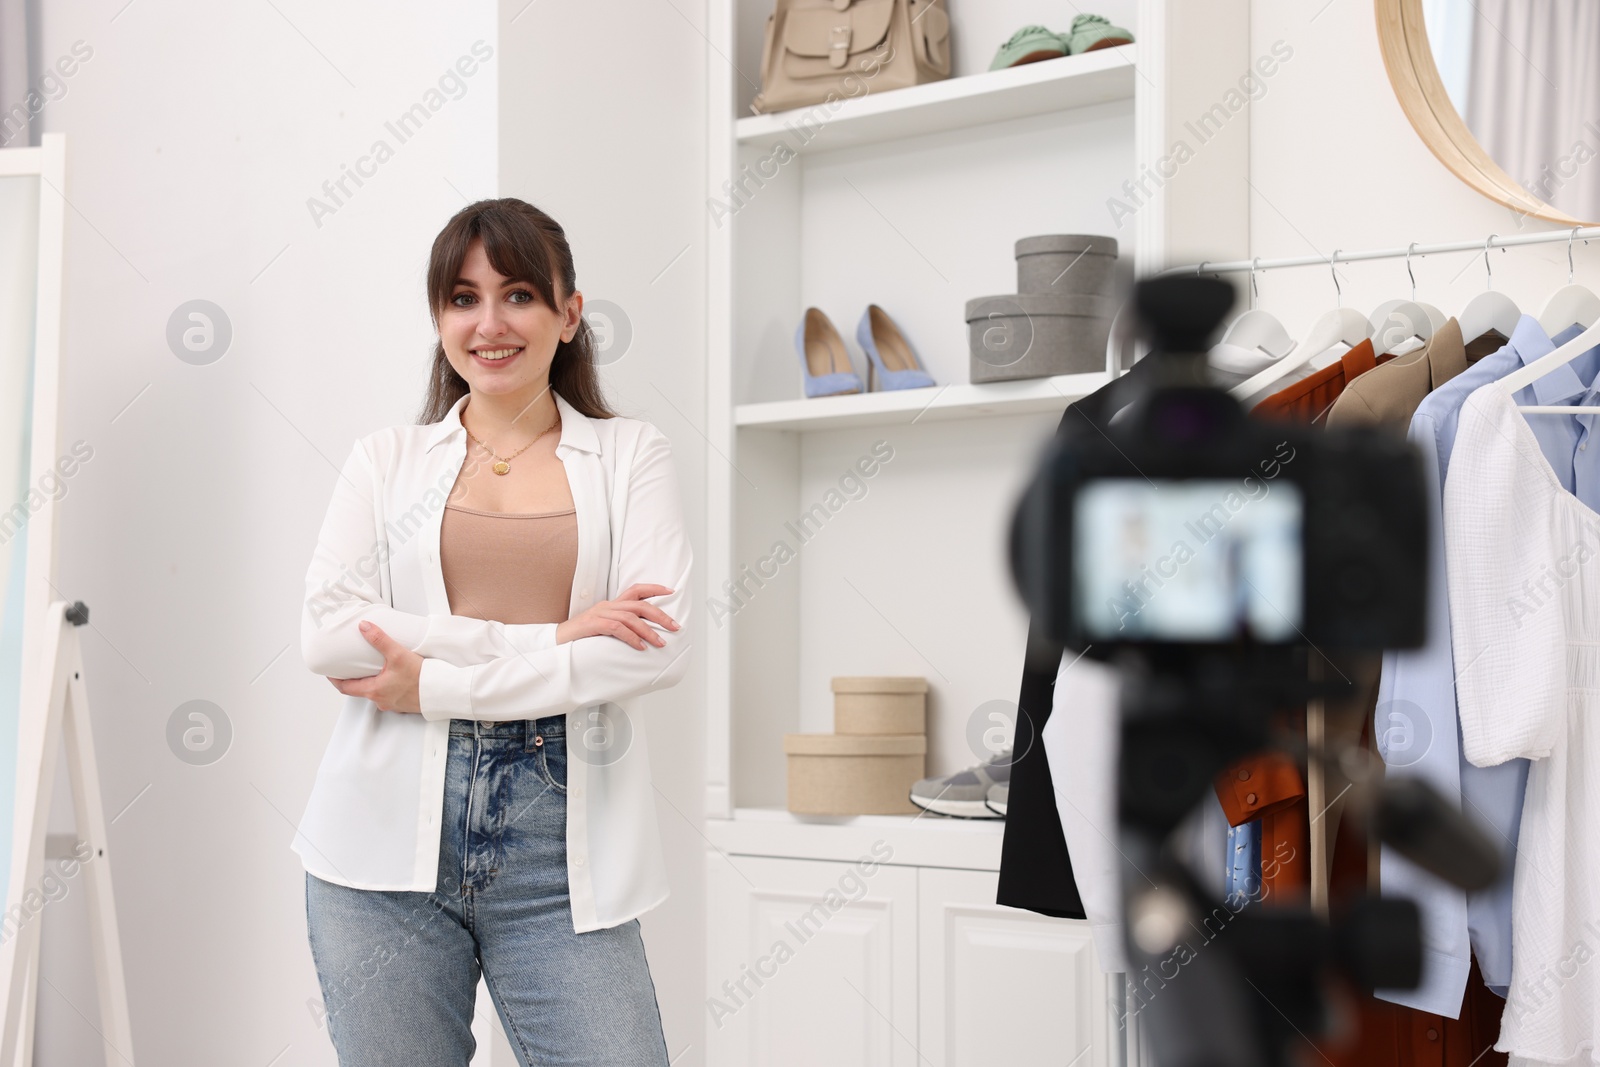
[(1186, 522)]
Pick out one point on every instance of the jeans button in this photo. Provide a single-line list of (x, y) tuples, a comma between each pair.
[(538, 740)]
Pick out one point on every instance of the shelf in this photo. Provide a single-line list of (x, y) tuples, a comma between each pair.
[(952, 104), (925, 840), (899, 407)]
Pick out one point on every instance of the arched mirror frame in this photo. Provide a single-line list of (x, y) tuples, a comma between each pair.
[(1403, 38)]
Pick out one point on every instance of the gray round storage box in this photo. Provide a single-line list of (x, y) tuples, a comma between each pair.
[(1067, 263), (1034, 335)]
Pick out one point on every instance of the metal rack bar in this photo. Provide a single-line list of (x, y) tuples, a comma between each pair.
[(1577, 233)]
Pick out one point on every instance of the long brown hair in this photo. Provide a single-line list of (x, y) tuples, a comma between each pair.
[(523, 243)]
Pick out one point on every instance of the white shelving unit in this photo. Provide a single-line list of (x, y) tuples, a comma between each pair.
[(925, 840), (910, 199), (955, 103), (931, 403)]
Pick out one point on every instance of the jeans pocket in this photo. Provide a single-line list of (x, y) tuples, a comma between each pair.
[(553, 763)]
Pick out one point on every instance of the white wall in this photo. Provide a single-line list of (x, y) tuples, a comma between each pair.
[(602, 124), (196, 132)]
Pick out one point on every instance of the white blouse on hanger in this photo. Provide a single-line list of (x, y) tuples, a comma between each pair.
[(1523, 562)]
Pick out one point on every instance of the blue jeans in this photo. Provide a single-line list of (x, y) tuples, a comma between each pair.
[(399, 971)]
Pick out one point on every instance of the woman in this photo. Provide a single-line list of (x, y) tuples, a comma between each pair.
[(485, 798)]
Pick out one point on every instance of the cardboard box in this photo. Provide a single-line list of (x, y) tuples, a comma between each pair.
[(873, 705), (833, 774)]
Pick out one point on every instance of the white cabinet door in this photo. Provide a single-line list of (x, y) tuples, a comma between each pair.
[(810, 963), (1000, 986)]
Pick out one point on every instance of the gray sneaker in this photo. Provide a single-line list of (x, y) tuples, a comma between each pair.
[(964, 794), (998, 795)]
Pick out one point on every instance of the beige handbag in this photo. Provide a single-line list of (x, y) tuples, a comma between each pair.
[(817, 49)]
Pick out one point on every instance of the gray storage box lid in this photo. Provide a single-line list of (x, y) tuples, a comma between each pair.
[(1092, 243), (1037, 304)]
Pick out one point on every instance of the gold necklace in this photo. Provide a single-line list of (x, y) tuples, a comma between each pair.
[(503, 466)]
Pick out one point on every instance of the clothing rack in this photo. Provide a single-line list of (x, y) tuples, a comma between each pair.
[(1315, 714), (1577, 233)]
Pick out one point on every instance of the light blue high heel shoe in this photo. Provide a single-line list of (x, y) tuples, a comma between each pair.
[(889, 355), (824, 362)]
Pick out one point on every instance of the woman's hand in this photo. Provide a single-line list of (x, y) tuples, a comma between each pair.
[(396, 687), (622, 618)]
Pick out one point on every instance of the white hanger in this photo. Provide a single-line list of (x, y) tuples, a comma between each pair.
[(1488, 310), (1571, 303), (1395, 322), (1259, 330), (1116, 365), (1524, 376), (1342, 324), (1436, 317), (1336, 333)]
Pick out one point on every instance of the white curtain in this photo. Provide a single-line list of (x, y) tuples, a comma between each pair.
[(1533, 98), (1450, 25)]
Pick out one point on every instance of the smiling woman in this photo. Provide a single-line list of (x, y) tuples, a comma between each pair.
[(486, 757)]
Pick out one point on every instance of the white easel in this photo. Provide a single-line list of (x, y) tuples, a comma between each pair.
[(38, 744), (54, 701)]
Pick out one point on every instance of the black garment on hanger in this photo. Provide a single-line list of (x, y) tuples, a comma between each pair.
[(1035, 870)]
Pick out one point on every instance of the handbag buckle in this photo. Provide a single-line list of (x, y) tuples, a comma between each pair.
[(838, 45)]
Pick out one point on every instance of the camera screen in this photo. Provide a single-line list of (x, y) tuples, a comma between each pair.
[(1188, 560)]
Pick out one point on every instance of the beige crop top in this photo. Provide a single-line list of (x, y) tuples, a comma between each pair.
[(512, 568)]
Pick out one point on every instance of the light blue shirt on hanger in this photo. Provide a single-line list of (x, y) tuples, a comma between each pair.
[(1416, 725)]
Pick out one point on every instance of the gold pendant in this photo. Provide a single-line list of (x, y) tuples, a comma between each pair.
[(502, 467)]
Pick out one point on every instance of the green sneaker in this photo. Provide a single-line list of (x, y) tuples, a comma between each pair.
[(1090, 32), (1029, 45)]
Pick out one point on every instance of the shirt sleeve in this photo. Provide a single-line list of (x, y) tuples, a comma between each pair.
[(652, 547), (1267, 783), (1507, 573), (1414, 729), (340, 594)]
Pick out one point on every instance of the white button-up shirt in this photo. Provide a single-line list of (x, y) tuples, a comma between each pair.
[(373, 817)]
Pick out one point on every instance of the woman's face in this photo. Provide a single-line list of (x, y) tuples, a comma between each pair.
[(489, 315)]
